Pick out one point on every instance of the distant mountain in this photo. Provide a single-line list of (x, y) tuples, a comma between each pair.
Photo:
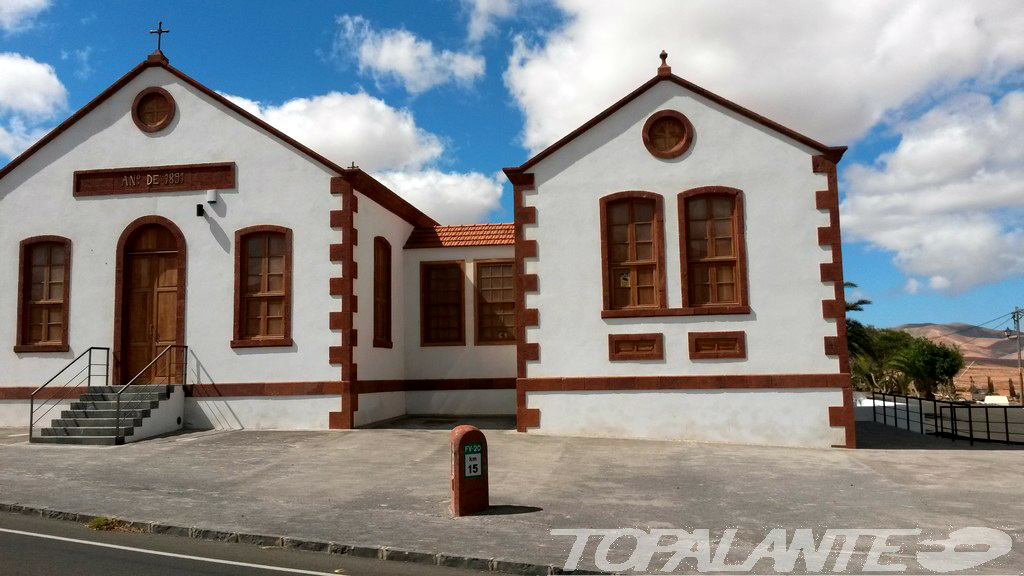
[(988, 353), (973, 341)]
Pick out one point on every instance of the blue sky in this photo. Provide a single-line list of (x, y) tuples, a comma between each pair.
[(436, 96)]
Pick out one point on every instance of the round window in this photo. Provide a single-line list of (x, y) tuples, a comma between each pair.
[(153, 109), (667, 134)]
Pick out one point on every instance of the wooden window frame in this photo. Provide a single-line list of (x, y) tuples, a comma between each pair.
[(680, 147), (238, 340), (424, 266), (382, 280), (659, 250), (739, 353), (24, 293), (163, 123), (742, 305), (657, 354), (478, 340)]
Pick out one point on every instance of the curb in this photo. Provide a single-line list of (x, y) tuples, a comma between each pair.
[(315, 546)]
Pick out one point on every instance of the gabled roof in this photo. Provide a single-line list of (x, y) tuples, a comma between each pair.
[(833, 153), (466, 235), (364, 183)]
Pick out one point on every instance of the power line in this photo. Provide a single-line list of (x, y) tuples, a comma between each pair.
[(971, 327)]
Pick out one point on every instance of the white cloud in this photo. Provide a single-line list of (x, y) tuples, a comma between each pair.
[(16, 137), (829, 69), (948, 200), (448, 197), (30, 94), (352, 128), (29, 88), (81, 57), (483, 13), (17, 15), (400, 55), (387, 143)]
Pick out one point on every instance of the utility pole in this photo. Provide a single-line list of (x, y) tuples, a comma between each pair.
[(1017, 315)]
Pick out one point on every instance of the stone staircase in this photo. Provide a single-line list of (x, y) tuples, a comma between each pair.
[(93, 418)]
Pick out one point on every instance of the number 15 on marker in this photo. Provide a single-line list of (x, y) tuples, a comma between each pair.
[(473, 465)]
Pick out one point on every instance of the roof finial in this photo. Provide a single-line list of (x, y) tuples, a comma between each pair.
[(159, 33), (664, 69)]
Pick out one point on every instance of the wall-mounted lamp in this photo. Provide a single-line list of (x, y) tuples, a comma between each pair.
[(200, 210), (211, 196)]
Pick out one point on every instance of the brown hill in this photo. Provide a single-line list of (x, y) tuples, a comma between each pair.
[(988, 353)]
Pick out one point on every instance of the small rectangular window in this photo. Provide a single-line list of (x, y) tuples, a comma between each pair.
[(442, 304), (495, 303), (636, 347), (715, 345), (381, 293)]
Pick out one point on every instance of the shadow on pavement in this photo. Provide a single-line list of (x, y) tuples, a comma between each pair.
[(448, 422), (877, 436), (507, 510)]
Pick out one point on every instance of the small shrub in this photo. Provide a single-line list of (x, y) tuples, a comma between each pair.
[(104, 524)]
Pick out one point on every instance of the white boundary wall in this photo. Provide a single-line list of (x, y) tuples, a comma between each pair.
[(260, 412), (774, 417)]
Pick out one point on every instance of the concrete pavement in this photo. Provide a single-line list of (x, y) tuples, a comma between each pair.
[(390, 488)]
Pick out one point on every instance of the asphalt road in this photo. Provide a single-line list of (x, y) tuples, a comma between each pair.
[(32, 546)]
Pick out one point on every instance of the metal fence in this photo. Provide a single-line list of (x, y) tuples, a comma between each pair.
[(948, 419)]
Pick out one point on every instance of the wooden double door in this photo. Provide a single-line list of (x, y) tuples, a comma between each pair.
[(152, 294)]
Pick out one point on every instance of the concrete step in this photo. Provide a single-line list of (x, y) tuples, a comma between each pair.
[(79, 440), (85, 431), (125, 398), (94, 422), (111, 405), (104, 414)]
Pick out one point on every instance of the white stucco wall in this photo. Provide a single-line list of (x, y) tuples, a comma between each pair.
[(371, 221), (260, 412), (14, 413), (784, 332), (461, 402), (379, 406), (780, 417), (470, 360), (275, 185), (168, 416)]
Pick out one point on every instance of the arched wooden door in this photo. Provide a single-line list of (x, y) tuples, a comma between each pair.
[(152, 290)]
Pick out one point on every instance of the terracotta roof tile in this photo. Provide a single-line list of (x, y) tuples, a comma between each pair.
[(462, 235)]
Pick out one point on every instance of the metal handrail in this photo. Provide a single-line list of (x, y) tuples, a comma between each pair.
[(57, 398), (948, 418), (118, 418)]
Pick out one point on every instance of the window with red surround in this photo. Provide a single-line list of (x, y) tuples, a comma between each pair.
[(442, 304), (633, 251), (381, 293), (153, 109), (495, 302), (263, 268), (636, 347), (44, 294), (715, 345), (713, 249), (667, 134)]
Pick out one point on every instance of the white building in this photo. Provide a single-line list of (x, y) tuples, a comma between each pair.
[(673, 271)]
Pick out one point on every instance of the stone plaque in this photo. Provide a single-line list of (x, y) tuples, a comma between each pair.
[(151, 179)]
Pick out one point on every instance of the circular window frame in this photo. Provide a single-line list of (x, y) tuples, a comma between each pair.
[(681, 147), (171, 106)]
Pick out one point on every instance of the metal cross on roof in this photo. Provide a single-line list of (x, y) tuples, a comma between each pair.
[(159, 33)]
